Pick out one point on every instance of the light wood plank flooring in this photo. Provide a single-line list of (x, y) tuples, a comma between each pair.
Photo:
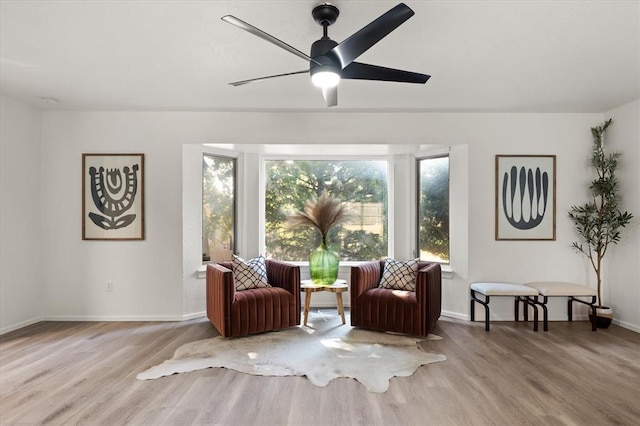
[(84, 373)]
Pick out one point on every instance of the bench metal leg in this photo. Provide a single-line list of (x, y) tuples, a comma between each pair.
[(484, 303), (535, 314), (591, 305), (472, 308), (528, 301), (535, 302), (516, 308)]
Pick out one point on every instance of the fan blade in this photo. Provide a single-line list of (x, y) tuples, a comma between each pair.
[(240, 83), (369, 35), (268, 37), (330, 95), (360, 71)]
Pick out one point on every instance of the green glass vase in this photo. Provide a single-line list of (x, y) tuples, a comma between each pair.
[(323, 265)]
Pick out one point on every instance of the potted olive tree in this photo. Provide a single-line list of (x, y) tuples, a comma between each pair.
[(599, 221)]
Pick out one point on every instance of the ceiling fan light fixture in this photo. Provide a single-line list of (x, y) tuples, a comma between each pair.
[(325, 79)]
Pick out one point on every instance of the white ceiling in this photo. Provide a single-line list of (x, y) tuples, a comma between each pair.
[(507, 56)]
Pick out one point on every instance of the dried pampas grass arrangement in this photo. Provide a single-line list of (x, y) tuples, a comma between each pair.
[(322, 214)]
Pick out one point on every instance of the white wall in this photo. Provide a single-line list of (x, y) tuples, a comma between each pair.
[(568, 137), (147, 275), (21, 249), (622, 267), (155, 278)]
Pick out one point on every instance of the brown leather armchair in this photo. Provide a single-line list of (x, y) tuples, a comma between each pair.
[(383, 309), (239, 313)]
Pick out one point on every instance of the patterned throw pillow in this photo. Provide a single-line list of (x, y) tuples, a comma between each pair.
[(399, 275), (250, 273)]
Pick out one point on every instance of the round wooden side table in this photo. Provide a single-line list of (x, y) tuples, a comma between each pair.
[(338, 287)]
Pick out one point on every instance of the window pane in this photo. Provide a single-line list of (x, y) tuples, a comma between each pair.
[(433, 209), (218, 207), (362, 185)]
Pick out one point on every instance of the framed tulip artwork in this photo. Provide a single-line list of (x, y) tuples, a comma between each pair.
[(113, 196), (525, 197)]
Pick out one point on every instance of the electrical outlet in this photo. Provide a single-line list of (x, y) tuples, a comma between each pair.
[(109, 286)]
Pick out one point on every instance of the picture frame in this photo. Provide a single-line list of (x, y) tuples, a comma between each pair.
[(525, 197), (113, 197)]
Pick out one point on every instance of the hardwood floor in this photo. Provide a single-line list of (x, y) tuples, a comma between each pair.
[(84, 373)]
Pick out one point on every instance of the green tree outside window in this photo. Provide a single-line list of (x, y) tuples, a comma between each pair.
[(433, 209), (361, 185)]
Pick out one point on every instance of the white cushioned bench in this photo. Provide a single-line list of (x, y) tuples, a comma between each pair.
[(563, 289), (520, 293)]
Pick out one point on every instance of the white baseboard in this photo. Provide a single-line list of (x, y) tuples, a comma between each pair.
[(113, 318), (627, 325), (106, 318), (124, 318), (194, 315), (20, 325), (497, 317), (455, 315), (187, 317), (578, 317)]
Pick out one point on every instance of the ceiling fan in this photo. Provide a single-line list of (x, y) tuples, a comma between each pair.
[(329, 61)]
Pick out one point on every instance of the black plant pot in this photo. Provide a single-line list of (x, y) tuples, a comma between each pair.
[(603, 318)]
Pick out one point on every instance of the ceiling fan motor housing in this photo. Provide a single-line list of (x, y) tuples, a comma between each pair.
[(321, 52)]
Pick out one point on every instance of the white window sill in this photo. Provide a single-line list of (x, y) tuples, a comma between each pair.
[(447, 272), (201, 273)]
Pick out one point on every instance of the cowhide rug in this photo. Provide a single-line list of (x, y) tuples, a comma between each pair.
[(322, 351)]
